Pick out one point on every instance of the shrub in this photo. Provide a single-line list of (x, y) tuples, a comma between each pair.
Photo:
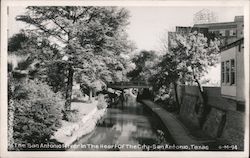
[(37, 115), (71, 115), (168, 103), (77, 96), (102, 103)]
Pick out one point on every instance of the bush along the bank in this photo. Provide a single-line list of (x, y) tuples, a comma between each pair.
[(37, 114), (102, 102), (71, 115), (166, 100), (167, 104)]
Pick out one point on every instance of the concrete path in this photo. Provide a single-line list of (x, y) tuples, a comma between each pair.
[(70, 131), (84, 108), (174, 126)]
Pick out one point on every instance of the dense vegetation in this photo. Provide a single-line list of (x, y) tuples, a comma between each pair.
[(64, 45), (184, 62), (37, 112)]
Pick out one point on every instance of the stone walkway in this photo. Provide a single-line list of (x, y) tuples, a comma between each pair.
[(70, 131), (84, 108), (179, 133)]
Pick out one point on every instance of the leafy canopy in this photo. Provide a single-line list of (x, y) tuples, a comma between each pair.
[(188, 58), (91, 39), (145, 63)]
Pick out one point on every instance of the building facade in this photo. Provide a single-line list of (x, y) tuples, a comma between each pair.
[(227, 32), (232, 71)]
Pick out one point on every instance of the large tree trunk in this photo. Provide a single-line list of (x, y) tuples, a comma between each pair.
[(199, 86), (198, 83), (203, 109), (90, 94), (69, 88), (176, 97)]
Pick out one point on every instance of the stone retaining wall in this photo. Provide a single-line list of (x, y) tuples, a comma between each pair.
[(188, 112), (234, 128), (222, 121)]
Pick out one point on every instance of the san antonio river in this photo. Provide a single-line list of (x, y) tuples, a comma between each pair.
[(127, 126)]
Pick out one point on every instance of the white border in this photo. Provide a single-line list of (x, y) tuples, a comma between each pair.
[(3, 85)]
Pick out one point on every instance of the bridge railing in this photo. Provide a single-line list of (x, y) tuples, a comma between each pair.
[(130, 83)]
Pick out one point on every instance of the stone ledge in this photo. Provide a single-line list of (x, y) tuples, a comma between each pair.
[(71, 132)]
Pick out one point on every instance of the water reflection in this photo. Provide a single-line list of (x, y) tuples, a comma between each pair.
[(125, 123)]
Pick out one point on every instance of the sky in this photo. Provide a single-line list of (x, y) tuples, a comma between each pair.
[(149, 24)]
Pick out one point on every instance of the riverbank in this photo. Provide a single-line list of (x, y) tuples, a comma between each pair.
[(176, 129), (89, 114), (127, 126)]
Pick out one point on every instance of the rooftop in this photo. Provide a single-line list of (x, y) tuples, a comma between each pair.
[(236, 19)]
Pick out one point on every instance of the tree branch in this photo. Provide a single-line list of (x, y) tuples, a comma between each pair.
[(37, 24)]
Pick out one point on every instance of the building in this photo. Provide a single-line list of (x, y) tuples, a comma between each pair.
[(227, 32), (182, 30), (232, 71)]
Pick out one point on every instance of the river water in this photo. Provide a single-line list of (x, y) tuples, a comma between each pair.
[(127, 126)]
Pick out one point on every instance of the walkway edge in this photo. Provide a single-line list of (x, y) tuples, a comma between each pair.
[(174, 126), (77, 130)]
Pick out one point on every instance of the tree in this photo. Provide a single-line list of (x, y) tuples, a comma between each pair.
[(196, 54), (82, 33), (16, 41), (145, 63), (187, 60), (168, 72), (41, 54), (18, 68), (24, 93)]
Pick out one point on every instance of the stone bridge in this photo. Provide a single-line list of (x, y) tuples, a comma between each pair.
[(127, 85)]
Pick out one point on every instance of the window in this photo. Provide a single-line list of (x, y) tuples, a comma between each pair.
[(217, 33), (227, 71), (223, 72), (232, 33), (222, 33), (232, 72), (239, 47), (227, 32)]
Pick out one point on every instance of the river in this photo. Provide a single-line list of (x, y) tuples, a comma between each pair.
[(127, 126)]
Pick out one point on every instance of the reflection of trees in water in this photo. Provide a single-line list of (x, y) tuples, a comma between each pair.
[(145, 135), (106, 136), (134, 91), (130, 124), (130, 106), (142, 132)]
